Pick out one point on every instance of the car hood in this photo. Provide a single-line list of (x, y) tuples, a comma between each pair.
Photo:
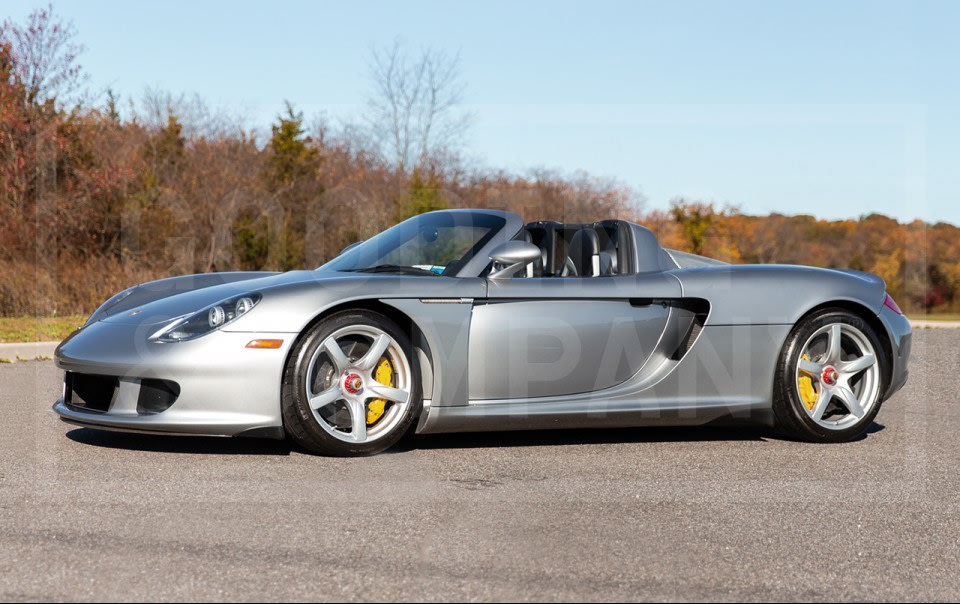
[(160, 301)]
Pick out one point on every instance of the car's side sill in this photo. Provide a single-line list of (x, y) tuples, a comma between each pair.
[(595, 414)]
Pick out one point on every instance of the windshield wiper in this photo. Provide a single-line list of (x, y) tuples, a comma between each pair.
[(393, 268)]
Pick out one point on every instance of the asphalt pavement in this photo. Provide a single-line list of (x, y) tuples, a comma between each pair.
[(645, 514)]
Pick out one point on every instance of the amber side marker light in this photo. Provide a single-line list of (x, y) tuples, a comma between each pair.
[(269, 344)]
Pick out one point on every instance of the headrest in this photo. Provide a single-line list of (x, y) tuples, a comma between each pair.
[(584, 251)]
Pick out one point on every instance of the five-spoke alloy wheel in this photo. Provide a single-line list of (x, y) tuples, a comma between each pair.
[(830, 378), (351, 386)]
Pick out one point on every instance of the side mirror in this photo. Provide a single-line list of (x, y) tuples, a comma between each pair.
[(350, 247), (512, 256)]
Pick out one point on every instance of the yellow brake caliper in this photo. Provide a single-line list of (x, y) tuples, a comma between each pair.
[(376, 407), (807, 393)]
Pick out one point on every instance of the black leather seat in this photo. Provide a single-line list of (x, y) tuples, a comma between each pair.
[(594, 249), (614, 247), (584, 252)]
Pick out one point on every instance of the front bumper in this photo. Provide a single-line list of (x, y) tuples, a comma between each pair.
[(225, 389)]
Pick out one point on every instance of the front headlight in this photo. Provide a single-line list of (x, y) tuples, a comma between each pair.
[(209, 319)]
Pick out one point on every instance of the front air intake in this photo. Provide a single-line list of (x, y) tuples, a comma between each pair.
[(156, 396), (88, 392)]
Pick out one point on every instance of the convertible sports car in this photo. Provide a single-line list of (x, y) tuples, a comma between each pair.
[(465, 320)]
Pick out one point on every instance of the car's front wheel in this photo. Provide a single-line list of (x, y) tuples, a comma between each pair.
[(830, 378), (351, 386)]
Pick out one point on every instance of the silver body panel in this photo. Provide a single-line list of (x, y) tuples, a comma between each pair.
[(548, 347), (667, 345)]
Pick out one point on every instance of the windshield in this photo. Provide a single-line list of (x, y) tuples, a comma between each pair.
[(438, 243)]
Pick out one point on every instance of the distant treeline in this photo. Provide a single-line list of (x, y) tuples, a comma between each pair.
[(919, 261)]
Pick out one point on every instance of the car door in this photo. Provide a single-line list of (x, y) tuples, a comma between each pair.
[(542, 337)]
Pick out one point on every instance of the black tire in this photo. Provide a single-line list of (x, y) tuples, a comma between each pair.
[(298, 420), (790, 416)]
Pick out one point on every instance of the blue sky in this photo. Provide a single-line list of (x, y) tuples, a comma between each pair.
[(830, 108)]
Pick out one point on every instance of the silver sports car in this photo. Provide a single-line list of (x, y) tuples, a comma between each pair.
[(467, 320)]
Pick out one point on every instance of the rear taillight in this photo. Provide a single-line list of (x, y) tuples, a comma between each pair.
[(889, 303)]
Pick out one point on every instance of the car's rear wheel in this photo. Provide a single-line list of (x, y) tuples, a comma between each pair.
[(351, 386), (830, 378)]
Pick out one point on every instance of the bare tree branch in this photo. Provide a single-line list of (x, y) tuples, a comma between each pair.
[(414, 111)]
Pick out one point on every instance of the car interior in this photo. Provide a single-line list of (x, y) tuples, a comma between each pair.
[(578, 250)]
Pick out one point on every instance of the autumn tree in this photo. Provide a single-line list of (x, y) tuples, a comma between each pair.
[(423, 195), (696, 219), (278, 229), (45, 55), (292, 155), (164, 154), (15, 159)]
